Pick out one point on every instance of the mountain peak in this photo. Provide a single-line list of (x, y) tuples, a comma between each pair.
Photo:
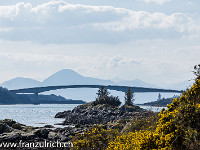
[(70, 77), (62, 77), (20, 82), (66, 72), (20, 78)]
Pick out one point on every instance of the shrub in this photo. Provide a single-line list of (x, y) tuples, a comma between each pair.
[(138, 140), (103, 97), (95, 137), (143, 123)]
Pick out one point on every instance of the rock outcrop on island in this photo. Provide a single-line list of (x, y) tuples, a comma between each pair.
[(88, 114)]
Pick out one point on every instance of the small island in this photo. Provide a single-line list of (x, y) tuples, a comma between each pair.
[(105, 110)]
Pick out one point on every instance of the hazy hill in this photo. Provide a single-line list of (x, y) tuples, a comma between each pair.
[(70, 77), (180, 85), (63, 77), (20, 82), (136, 82)]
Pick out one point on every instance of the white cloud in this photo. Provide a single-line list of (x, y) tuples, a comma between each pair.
[(149, 60), (61, 22), (119, 61), (157, 1), (148, 44), (5, 29), (159, 21), (11, 11)]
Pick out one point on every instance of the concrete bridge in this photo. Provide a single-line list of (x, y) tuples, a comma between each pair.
[(37, 90)]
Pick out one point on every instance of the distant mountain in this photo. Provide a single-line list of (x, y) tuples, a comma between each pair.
[(70, 77), (136, 82), (20, 82), (180, 85), (116, 80)]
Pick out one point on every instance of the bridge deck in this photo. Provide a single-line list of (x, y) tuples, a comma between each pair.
[(110, 87)]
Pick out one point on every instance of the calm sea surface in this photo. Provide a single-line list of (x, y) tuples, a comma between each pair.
[(34, 115), (41, 115), (153, 108)]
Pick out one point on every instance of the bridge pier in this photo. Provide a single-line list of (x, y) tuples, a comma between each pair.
[(36, 99)]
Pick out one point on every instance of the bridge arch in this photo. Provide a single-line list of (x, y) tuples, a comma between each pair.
[(37, 90)]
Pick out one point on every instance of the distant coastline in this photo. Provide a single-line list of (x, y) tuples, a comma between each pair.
[(74, 102), (8, 98), (161, 103)]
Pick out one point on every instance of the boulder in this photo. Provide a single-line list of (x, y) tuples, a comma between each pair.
[(9, 122), (49, 126), (42, 133), (17, 126), (4, 128), (62, 114)]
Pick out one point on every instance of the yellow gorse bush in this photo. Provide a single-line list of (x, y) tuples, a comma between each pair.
[(177, 128), (134, 141), (95, 138)]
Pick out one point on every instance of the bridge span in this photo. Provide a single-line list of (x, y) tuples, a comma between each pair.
[(37, 90)]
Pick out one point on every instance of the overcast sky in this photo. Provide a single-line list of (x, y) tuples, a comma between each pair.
[(157, 41)]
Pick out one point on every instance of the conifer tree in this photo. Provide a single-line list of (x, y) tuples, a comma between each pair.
[(102, 92), (129, 97), (103, 97)]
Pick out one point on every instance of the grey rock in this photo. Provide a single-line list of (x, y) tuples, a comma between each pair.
[(17, 126), (89, 114), (9, 122), (4, 128), (62, 114), (42, 133)]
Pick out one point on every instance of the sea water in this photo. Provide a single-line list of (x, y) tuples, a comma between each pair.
[(34, 115), (43, 114)]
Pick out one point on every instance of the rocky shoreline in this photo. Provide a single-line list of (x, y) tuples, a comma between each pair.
[(11, 131), (78, 120)]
